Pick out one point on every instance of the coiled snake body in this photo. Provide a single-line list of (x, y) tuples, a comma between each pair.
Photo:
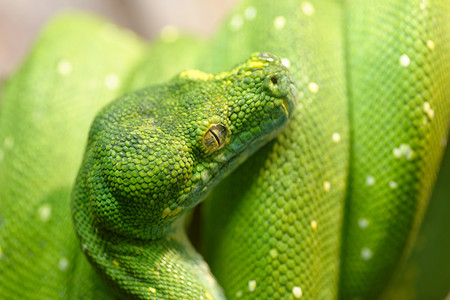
[(325, 207)]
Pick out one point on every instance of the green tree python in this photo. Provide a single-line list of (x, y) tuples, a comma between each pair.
[(95, 193)]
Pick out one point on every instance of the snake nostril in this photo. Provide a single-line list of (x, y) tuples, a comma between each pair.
[(276, 85), (274, 80)]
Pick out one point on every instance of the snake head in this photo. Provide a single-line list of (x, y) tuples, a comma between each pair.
[(155, 153)]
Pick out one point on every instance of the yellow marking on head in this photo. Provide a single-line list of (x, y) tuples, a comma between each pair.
[(152, 290), (256, 64), (196, 75), (168, 212)]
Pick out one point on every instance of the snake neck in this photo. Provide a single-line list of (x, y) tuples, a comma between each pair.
[(142, 269)]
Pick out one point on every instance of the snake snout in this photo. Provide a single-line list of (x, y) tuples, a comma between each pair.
[(281, 85), (277, 84)]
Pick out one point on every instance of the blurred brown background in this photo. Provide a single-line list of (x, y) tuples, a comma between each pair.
[(21, 20)]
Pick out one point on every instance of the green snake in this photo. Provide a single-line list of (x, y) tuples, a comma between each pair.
[(330, 117)]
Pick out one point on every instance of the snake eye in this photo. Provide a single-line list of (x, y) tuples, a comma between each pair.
[(215, 137)]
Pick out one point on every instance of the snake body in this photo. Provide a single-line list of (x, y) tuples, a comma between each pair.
[(327, 210), (153, 154)]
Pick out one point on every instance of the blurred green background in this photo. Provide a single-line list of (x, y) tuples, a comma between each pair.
[(21, 20)]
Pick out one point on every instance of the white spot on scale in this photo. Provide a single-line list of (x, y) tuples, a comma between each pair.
[(404, 60), (64, 67), (297, 292), (313, 87), (252, 285), (307, 8), (279, 22), (370, 180), (286, 62), (63, 264), (393, 185), (236, 22), (169, 34), (404, 150), (45, 212), (112, 81), (336, 137), (8, 143), (250, 13), (366, 253), (430, 44), (273, 253), (423, 4), (363, 223), (326, 186), (313, 224), (428, 110)]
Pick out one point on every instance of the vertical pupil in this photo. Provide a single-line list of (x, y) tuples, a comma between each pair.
[(214, 134), (215, 137)]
